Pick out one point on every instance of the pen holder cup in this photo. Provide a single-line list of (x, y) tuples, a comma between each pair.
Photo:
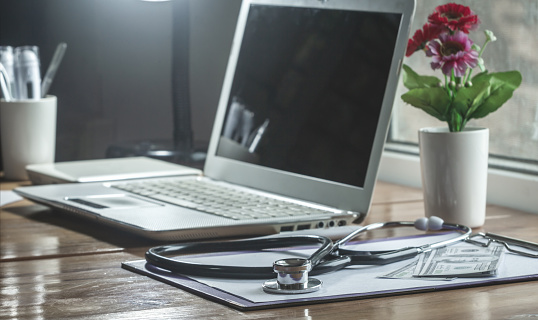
[(28, 134)]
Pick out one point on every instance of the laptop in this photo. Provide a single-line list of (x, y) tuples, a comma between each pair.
[(302, 119)]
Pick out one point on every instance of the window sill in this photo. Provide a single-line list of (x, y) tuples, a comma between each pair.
[(509, 189)]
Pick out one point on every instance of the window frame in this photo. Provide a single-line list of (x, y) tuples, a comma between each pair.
[(400, 164)]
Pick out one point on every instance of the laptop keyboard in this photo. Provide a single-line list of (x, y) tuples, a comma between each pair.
[(218, 199)]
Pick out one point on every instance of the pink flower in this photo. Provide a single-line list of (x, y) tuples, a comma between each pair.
[(452, 52)]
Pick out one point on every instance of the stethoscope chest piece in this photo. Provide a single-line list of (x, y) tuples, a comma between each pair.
[(292, 277)]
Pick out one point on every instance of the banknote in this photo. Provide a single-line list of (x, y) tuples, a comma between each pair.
[(459, 260), (408, 271), (405, 272), (462, 260)]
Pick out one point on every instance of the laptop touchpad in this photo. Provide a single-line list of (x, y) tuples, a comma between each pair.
[(114, 201)]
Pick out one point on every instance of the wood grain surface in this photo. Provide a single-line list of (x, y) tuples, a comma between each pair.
[(53, 266)]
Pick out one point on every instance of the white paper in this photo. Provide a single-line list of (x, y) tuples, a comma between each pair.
[(352, 280), (7, 197)]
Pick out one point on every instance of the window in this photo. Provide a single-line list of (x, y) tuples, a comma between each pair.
[(513, 127)]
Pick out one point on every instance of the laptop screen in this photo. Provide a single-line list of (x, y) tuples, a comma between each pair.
[(308, 89)]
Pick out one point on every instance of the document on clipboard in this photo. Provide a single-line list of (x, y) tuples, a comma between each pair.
[(357, 282)]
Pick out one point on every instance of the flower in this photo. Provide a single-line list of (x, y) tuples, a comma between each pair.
[(454, 17), (452, 53), (421, 37), (444, 39)]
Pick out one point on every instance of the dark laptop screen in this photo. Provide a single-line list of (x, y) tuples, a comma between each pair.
[(308, 89)]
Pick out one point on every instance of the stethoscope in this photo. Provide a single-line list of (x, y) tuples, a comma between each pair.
[(293, 273)]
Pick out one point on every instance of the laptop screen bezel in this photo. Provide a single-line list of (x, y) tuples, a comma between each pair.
[(338, 195)]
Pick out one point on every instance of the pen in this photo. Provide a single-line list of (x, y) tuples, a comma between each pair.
[(8, 61), (258, 137), (233, 120), (5, 83), (27, 74), (246, 126), (53, 67)]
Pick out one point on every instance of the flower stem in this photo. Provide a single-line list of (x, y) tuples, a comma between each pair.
[(469, 75), (488, 40)]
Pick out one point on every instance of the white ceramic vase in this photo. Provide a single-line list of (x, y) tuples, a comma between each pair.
[(454, 167)]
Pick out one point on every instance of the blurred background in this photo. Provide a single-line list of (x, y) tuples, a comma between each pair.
[(513, 127), (114, 84)]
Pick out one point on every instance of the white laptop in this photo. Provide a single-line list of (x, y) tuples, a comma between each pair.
[(302, 119)]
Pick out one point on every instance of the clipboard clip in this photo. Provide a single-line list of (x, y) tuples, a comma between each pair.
[(508, 242)]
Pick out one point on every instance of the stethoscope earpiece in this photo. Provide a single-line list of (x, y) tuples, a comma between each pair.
[(432, 223)]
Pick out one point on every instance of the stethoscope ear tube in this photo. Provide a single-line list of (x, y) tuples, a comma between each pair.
[(335, 263), (380, 257), (158, 256)]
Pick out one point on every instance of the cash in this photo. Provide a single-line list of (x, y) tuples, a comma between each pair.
[(408, 271), (404, 272), (460, 260), (463, 260)]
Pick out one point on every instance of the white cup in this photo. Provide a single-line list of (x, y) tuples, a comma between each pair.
[(28, 134)]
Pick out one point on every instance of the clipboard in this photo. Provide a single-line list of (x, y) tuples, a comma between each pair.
[(352, 283)]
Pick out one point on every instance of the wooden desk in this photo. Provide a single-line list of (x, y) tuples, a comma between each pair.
[(53, 266)]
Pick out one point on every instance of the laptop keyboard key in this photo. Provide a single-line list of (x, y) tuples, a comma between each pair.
[(217, 199), (174, 200)]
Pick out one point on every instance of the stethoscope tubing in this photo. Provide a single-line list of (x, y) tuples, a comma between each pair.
[(156, 256), (328, 257)]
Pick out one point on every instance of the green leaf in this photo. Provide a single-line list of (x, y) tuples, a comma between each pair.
[(501, 86), (434, 101), (482, 76), (469, 99), (455, 122), (460, 106), (413, 80)]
